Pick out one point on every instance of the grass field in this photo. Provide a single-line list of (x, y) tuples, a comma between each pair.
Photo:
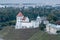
[(19, 34), (10, 33), (44, 36), (4, 31)]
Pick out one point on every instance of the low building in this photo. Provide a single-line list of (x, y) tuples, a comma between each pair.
[(53, 29)]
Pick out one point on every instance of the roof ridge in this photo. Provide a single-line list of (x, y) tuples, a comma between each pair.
[(20, 14)]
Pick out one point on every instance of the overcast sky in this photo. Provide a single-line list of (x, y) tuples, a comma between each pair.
[(52, 2)]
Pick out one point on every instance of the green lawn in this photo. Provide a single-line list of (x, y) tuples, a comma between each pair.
[(44, 36), (9, 33), (5, 31), (18, 34)]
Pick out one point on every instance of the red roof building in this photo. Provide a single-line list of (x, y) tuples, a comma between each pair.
[(20, 14)]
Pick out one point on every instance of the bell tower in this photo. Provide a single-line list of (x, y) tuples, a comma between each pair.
[(19, 18), (38, 19)]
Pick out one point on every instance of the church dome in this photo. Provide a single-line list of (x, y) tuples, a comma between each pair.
[(38, 16)]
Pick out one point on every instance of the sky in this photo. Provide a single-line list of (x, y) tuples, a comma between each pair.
[(47, 2)]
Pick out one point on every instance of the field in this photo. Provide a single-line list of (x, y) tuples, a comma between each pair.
[(9, 33), (44, 36), (18, 34)]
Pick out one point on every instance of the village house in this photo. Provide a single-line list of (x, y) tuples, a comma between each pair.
[(22, 22), (53, 28)]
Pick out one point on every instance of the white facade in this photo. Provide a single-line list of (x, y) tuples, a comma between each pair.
[(38, 19), (46, 22), (23, 22), (52, 28)]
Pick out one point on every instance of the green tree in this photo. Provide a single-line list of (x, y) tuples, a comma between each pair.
[(42, 26)]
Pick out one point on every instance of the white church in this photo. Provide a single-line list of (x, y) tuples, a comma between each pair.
[(22, 22)]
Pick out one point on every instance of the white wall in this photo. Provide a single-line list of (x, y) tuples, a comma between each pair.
[(51, 29), (27, 25)]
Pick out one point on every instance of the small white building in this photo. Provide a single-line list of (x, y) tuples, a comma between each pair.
[(1, 6), (23, 22), (53, 29)]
